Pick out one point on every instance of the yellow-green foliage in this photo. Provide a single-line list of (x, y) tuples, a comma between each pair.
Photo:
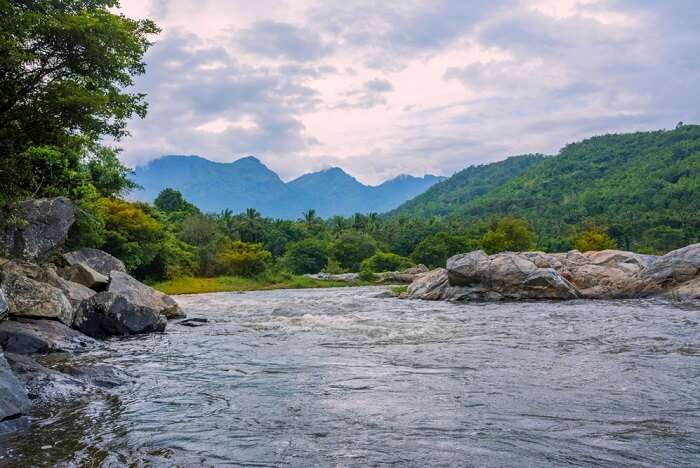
[(243, 259), (188, 285), (594, 239), (508, 235)]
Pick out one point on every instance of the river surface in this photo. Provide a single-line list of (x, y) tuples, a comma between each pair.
[(339, 377)]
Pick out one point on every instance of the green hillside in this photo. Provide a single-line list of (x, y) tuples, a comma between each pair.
[(644, 188)]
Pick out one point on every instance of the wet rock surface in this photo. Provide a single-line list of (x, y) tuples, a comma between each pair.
[(142, 295), (13, 396), (30, 336), (109, 314)]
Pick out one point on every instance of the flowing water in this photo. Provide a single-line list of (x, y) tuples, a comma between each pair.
[(340, 377)]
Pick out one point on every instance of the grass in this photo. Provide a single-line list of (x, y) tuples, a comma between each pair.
[(398, 290), (190, 285)]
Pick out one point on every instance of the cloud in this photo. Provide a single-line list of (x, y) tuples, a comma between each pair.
[(282, 40), (418, 86)]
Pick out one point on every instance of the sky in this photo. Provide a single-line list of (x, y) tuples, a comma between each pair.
[(382, 88)]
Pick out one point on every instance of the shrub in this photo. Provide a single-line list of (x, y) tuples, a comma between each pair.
[(508, 235), (306, 256), (594, 238), (242, 259), (434, 250), (385, 261), (351, 248)]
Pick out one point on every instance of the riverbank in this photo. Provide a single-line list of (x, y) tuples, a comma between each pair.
[(189, 285)]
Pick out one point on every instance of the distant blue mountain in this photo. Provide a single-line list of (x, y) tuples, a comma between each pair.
[(248, 183)]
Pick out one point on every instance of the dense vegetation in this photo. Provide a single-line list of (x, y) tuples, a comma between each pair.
[(642, 188), (65, 66)]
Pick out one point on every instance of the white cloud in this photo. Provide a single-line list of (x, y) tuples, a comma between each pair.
[(382, 88)]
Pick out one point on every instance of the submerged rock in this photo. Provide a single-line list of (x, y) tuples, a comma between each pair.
[(108, 314), (193, 322), (14, 401), (101, 375), (28, 336), (31, 298), (141, 295), (44, 384), (44, 227), (100, 261)]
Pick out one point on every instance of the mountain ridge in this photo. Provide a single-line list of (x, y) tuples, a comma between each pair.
[(248, 183)]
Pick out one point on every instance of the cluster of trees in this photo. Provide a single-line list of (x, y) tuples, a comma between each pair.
[(173, 238), (67, 67)]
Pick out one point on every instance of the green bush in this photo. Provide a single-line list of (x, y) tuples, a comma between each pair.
[(434, 250), (594, 239), (242, 259), (386, 261), (508, 235), (351, 248), (306, 256)]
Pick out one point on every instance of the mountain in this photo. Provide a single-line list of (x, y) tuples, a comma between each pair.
[(644, 187), (248, 183)]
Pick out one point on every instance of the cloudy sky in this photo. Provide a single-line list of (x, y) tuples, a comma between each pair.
[(412, 86)]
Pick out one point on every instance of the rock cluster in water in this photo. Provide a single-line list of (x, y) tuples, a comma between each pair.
[(607, 274), (62, 303)]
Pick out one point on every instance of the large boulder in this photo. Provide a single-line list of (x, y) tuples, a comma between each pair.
[(508, 275), (141, 295), (29, 336), (83, 274), (100, 261), (4, 306), (675, 267), (688, 290), (108, 314), (13, 395), (75, 292), (31, 298), (44, 226)]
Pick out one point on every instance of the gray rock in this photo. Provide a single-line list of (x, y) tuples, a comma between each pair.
[(141, 295), (31, 298), (13, 395), (83, 274), (100, 261), (44, 385), (193, 322), (29, 336), (675, 267), (508, 276), (44, 227), (688, 290), (349, 277), (4, 306), (108, 314), (101, 375), (74, 292)]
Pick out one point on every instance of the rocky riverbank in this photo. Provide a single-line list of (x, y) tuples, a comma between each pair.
[(608, 274), (62, 302)]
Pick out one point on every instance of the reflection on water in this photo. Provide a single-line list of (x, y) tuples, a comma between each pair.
[(341, 378)]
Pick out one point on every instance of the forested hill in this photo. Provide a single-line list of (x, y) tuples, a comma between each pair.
[(644, 188)]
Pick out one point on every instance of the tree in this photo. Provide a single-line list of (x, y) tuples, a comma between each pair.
[(170, 200), (435, 249), (386, 261), (351, 248), (594, 238), (65, 67), (306, 256), (508, 235), (242, 259)]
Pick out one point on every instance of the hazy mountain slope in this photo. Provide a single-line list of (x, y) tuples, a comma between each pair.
[(247, 183)]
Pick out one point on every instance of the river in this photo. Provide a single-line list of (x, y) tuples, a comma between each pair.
[(341, 377)]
